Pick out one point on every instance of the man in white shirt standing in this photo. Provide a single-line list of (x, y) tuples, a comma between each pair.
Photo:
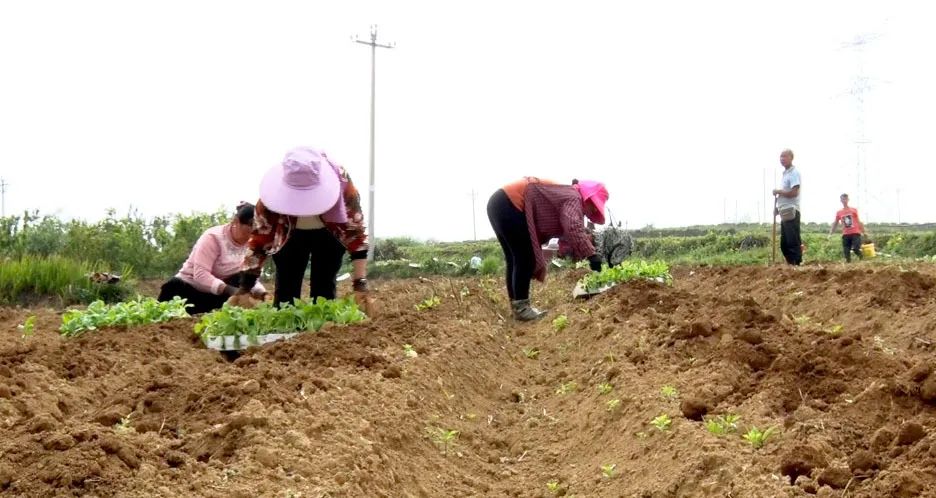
[(788, 207)]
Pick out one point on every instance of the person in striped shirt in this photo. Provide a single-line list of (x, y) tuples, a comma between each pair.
[(529, 212)]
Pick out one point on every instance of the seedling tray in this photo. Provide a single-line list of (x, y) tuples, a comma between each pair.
[(580, 292), (241, 342)]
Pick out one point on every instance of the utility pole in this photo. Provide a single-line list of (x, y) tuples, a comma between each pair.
[(373, 94), (474, 225), (3, 187)]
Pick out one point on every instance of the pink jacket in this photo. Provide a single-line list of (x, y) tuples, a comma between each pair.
[(214, 258)]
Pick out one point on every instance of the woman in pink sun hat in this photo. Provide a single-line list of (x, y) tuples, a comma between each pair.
[(309, 212), (527, 213)]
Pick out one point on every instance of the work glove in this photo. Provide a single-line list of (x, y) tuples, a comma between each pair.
[(242, 299), (594, 262)]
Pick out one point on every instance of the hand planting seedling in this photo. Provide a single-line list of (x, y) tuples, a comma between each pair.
[(613, 405), (722, 424), (28, 327), (442, 437), (560, 323), (758, 438), (553, 486), (300, 316), (626, 271), (428, 304), (662, 423), (137, 312), (409, 352), (531, 353), (608, 470), (568, 387), (669, 392), (604, 388)]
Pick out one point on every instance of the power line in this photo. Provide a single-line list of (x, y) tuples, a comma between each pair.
[(373, 94)]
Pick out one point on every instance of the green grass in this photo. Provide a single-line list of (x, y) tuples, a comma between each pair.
[(35, 278)]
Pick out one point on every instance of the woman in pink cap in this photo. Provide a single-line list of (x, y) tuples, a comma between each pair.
[(526, 214), (309, 211)]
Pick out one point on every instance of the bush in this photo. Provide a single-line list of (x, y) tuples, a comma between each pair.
[(491, 265), (33, 278)]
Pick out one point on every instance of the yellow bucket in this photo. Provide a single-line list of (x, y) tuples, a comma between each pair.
[(867, 250)]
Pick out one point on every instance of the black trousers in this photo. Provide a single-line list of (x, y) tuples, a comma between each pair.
[(202, 302), (325, 253), (851, 243), (513, 233), (790, 242)]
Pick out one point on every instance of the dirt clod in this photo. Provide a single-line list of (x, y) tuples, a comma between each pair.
[(834, 477), (862, 461), (694, 408), (910, 433)]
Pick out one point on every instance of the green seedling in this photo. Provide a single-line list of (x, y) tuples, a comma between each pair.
[(442, 437), (662, 423), (560, 323), (140, 311), (428, 304), (124, 424), (531, 353), (297, 316), (757, 437), (409, 352), (669, 392), (626, 271), (553, 486), (835, 329), (28, 327), (608, 470), (604, 388), (801, 319), (642, 435), (613, 405), (568, 387), (722, 424)]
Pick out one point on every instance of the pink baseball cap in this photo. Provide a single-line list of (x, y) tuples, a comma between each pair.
[(595, 193), (306, 183)]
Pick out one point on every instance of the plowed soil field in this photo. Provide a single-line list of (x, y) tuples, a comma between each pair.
[(838, 361)]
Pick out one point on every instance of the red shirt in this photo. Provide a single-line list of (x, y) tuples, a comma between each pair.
[(851, 225), (555, 211)]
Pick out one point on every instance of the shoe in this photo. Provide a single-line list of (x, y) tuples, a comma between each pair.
[(523, 311)]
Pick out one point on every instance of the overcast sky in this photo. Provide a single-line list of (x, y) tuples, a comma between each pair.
[(681, 107)]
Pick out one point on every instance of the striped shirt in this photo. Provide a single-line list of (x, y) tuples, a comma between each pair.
[(555, 211)]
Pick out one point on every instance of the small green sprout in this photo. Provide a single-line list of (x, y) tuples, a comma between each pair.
[(553, 486), (560, 323), (801, 319), (722, 424), (662, 423), (442, 437), (669, 392), (568, 387), (531, 353), (835, 329), (124, 424), (608, 470), (614, 404), (604, 388), (28, 327), (758, 438), (409, 352), (428, 304)]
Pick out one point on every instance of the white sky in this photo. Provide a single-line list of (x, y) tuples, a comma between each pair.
[(681, 107)]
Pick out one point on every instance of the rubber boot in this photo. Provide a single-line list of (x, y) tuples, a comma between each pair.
[(523, 311)]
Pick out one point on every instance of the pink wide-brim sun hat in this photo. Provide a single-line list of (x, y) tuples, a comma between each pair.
[(304, 184), (597, 194)]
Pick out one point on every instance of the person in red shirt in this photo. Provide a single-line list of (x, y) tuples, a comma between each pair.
[(852, 229), (526, 214)]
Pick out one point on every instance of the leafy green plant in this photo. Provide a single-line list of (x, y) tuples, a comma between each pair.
[(801, 319), (835, 329), (553, 486), (140, 311), (722, 424), (626, 271), (613, 405), (662, 422), (568, 387), (428, 304), (299, 316), (669, 392), (608, 470), (604, 388), (28, 326), (560, 323), (34, 277), (124, 425), (442, 437), (531, 353), (757, 437), (409, 352)]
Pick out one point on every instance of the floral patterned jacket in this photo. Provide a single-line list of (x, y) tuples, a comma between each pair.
[(272, 230)]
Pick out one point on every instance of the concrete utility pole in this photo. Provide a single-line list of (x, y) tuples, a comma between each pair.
[(474, 225), (373, 94), (3, 187)]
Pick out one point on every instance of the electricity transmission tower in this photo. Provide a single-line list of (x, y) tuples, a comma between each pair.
[(373, 94)]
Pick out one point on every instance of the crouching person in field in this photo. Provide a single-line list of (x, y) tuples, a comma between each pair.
[(526, 214), (211, 273)]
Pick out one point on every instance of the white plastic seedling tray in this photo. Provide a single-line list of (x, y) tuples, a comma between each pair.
[(579, 290), (241, 342)]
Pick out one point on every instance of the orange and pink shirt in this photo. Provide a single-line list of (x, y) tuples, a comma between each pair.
[(851, 225)]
